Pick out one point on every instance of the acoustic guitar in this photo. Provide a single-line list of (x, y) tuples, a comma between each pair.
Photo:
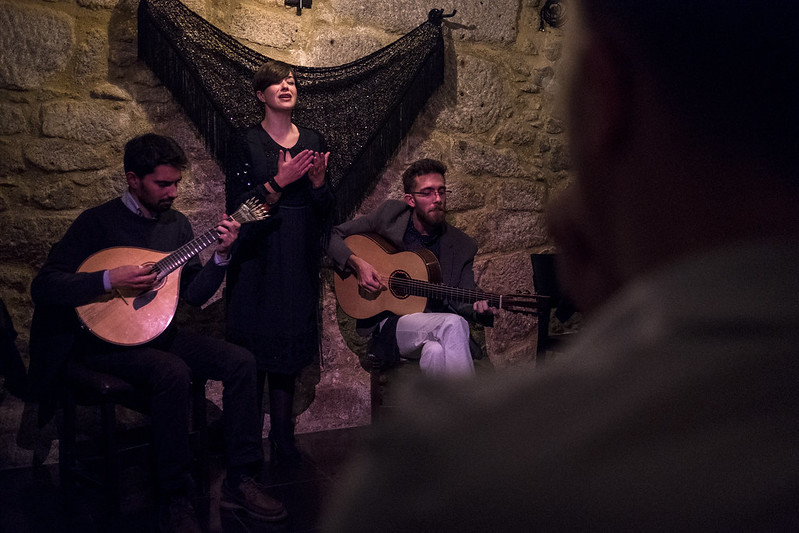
[(129, 317), (411, 279)]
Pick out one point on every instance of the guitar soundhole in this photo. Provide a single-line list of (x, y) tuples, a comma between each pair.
[(398, 284)]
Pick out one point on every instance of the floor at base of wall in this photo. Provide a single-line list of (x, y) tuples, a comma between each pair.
[(32, 502)]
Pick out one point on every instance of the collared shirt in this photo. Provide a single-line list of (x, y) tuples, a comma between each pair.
[(133, 204), (414, 240)]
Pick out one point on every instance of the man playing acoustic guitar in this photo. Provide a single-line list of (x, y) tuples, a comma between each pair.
[(143, 218), (439, 336)]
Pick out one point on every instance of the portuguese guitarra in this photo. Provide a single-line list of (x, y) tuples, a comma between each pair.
[(129, 317), (411, 278)]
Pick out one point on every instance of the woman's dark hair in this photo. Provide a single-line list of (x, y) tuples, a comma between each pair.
[(418, 168), (145, 152), (270, 73)]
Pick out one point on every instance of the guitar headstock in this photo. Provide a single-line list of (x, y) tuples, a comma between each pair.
[(525, 303), (250, 211)]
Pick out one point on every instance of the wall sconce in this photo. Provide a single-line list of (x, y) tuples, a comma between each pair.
[(299, 4)]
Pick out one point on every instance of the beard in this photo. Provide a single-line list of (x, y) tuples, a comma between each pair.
[(433, 217), (164, 205), (159, 207)]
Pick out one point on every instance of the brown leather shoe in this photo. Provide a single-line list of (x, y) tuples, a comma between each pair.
[(251, 497)]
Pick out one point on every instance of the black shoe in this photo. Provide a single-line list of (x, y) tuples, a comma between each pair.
[(284, 454), (251, 497), (177, 516)]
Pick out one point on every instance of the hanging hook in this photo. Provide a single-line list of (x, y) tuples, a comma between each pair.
[(299, 3), (436, 16)]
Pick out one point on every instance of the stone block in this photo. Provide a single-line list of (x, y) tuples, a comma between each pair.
[(90, 123), (269, 27), (559, 156), (521, 195), (202, 7), (473, 99), (91, 54), (11, 160), (512, 339), (109, 91), (467, 192), (35, 44), (76, 191), (64, 155), (504, 273), (502, 231), (488, 22), (480, 21), (332, 47), (28, 236), (506, 354), (15, 282), (12, 119), (398, 16), (99, 4), (474, 158)]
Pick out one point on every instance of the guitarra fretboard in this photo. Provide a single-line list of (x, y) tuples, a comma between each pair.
[(179, 257), (248, 211)]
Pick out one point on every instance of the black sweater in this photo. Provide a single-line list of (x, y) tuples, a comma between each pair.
[(57, 289), (113, 224)]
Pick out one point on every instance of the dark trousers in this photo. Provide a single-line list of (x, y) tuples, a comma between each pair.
[(165, 368)]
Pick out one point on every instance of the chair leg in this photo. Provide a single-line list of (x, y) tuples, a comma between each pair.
[(200, 427), (111, 459), (66, 445), (375, 389)]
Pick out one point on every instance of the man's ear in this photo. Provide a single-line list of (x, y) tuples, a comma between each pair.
[(410, 200), (260, 96), (133, 181)]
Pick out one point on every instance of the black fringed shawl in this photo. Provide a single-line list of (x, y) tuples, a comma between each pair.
[(363, 108)]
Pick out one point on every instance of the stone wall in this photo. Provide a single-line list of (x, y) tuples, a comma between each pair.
[(72, 92)]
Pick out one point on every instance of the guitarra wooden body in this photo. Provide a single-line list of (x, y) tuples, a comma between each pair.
[(411, 279), (128, 317), (131, 317)]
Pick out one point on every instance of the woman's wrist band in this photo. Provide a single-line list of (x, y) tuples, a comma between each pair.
[(272, 182)]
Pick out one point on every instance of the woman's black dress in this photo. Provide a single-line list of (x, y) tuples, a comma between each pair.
[(273, 277)]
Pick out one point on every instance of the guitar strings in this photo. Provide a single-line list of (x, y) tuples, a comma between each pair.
[(440, 292), (247, 212)]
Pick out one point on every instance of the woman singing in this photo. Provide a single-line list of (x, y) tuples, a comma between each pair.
[(273, 278)]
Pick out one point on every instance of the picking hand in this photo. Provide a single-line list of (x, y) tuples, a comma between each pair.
[(368, 277), (132, 277)]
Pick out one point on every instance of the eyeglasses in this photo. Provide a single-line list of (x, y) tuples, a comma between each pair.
[(427, 193)]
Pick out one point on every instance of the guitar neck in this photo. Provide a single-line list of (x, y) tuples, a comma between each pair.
[(247, 212), (180, 256), (437, 291)]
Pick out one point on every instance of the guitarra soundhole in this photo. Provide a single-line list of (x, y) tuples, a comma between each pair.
[(398, 284), (159, 282)]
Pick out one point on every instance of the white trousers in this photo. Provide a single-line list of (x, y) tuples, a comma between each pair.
[(439, 340)]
